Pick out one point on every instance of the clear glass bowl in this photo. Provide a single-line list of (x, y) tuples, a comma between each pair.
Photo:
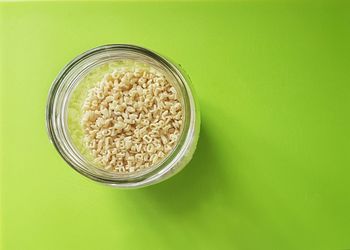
[(59, 114)]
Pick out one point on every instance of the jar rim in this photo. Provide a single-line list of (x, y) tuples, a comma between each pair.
[(58, 132)]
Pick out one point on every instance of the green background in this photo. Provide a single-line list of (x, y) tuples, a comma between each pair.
[(271, 170)]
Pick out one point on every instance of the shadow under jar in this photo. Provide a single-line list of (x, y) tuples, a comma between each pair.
[(70, 89)]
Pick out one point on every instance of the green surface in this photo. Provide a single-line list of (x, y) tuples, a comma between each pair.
[(272, 166)]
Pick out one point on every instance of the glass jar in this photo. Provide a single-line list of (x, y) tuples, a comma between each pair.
[(58, 115)]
